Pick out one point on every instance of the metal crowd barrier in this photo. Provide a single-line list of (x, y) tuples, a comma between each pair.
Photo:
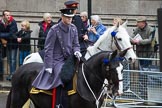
[(142, 88)]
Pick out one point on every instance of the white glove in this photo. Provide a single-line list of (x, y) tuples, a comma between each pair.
[(49, 70), (77, 54)]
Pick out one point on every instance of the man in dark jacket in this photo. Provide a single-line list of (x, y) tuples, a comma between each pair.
[(8, 27), (77, 21)]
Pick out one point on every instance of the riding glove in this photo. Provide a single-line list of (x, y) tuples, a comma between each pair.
[(77, 54), (49, 70)]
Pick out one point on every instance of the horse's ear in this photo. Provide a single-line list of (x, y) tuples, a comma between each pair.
[(125, 24), (122, 54), (113, 55), (117, 26)]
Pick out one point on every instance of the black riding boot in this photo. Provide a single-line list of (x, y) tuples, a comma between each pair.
[(61, 98)]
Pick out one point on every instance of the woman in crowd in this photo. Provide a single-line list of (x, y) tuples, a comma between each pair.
[(44, 25), (96, 29)]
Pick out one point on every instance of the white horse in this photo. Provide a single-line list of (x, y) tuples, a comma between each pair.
[(113, 38)]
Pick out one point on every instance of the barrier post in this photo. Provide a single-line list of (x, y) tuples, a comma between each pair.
[(159, 13), (89, 9)]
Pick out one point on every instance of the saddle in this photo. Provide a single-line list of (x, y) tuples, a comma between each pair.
[(69, 78), (71, 88)]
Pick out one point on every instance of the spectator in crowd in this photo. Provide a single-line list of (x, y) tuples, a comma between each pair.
[(117, 20), (44, 25), (8, 27), (23, 39), (61, 43), (84, 17), (77, 21), (142, 37), (96, 29)]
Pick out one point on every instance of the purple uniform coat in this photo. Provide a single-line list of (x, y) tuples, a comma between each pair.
[(61, 42)]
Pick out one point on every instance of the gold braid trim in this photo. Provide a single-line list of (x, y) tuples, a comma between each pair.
[(36, 91), (70, 92), (73, 91)]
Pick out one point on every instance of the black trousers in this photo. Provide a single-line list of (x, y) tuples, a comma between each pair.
[(61, 97)]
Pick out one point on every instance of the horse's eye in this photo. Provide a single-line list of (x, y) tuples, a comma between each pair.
[(119, 39)]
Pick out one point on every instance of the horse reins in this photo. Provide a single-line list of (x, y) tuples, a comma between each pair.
[(97, 99), (89, 69)]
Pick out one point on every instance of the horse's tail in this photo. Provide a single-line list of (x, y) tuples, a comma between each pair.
[(8, 103)]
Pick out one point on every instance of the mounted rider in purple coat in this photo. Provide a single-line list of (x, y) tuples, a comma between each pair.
[(61, 42)]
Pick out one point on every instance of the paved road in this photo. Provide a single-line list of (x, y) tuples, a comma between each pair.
[(3, 99), (4, 90)]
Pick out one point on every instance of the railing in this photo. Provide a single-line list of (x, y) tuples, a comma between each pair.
[(3, 54), (142, 87)]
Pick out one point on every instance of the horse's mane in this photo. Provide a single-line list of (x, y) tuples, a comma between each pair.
[(95, 55), (103, 37)]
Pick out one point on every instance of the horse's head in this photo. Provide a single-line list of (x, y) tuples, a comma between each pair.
[(112, 68), (94, 71), (121, 40)]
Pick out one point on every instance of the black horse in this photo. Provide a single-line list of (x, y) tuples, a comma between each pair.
[(89, 87)]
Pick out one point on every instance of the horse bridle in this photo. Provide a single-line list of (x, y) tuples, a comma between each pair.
[(102, 89), (89, 69), (114, 39)]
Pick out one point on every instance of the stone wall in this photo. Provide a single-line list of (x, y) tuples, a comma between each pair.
[(135, 7), (33, 10)]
